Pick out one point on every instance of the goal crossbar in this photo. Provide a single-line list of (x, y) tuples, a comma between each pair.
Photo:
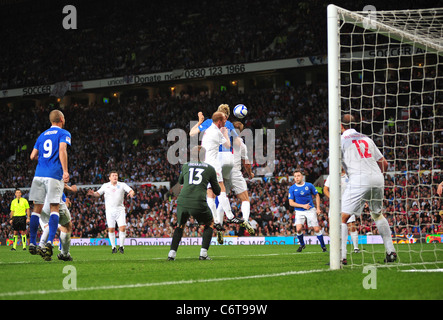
[(426, 41)]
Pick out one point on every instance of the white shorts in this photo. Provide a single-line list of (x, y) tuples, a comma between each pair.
[(354, 199), (236, 182), (46, 189), (218, 171), (64, 214), (226, 160), (351, 219), (309, 215), (118, 216)]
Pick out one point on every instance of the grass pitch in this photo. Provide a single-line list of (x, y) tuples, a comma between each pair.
[(235, 273)]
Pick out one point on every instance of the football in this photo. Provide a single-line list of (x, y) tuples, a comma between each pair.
[(240, 111)]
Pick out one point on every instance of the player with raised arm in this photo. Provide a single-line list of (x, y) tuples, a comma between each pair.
[(50, 150), (226, 159), (351, 221), (236, 182), (364, 165), (114, 192), (300, 197), (214, 136), (195, 177)]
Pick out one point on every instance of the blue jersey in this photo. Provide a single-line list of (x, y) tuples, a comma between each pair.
[(48, 144), (231, 132), (302, 194)]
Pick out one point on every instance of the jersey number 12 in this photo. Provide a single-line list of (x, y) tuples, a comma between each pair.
[(366, 154)]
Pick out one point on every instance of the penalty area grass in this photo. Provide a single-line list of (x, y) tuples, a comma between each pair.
[(262, 272)]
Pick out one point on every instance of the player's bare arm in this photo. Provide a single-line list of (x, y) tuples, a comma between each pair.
[(326, 191), (72, 188), (383, 165), (292, 203), (34, 155), (227, 143), (195, 130), (63, 155), (248, 168), (131, 194), (93, 193), (317, 202)]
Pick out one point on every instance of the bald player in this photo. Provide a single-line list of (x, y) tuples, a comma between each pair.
[(364, 165), (51, 174)]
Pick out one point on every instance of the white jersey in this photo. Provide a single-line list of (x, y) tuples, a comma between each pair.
[(114, 195), (211, 141), (242, 154), (344, 182), (359, 157)]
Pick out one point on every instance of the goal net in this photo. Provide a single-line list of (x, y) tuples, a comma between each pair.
[(385, 68)]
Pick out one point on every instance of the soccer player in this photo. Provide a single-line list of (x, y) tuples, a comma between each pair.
[(214, 136), (364, 165), (195, 177), (51, 174), (65, 227), (300, 197), (226, 161), (351, 222), (235, 181), (114, 192), (20, 216)]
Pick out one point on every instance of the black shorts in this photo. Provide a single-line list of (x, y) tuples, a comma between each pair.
[(19, 223)]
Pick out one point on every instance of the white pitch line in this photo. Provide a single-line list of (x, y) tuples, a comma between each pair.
[(156, 284), (423, 270)]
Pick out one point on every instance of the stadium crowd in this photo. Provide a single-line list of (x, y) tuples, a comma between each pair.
[(115, 38)]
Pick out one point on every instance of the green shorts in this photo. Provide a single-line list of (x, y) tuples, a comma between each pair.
[(202, 214)]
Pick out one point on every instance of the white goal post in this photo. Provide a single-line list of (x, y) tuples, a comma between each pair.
[(386, 68)]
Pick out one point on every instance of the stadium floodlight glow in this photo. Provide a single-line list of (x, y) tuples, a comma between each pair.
[(385, 68)]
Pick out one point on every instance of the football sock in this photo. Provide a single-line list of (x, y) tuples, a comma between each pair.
[(300, 239), (14, 245), (44, 236), (112, 238), (246, 210), (122, 238), (354, 238), (24, 240), (320, 238), (203, 252), (65, 239), (213, 208), (33, 227), (220, 214), (53, 226), (172, 254), (206, 238), (176, 238), (224, 202), (344, 240), (385, 232)]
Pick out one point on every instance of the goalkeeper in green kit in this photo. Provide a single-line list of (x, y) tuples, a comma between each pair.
[(195, 177)]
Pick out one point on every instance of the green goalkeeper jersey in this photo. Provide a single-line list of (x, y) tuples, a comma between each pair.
[(195, 177)]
